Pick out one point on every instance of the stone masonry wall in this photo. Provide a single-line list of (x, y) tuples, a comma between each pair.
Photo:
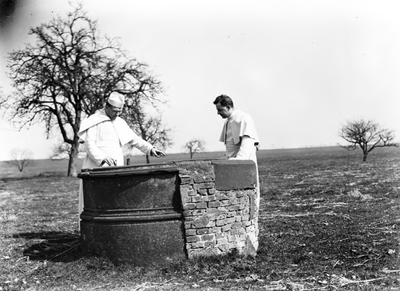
[(219, 208)]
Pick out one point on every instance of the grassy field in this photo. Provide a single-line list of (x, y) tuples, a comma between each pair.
[(328, 221)]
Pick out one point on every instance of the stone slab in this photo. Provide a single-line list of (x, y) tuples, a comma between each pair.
[(235, 174)]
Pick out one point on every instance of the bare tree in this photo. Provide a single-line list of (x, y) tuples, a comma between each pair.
[(21, 158), (194, 146), (63, 150), (367, 135), (68, 74)]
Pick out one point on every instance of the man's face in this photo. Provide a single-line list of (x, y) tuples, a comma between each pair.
[(113, 112), (223, 111)]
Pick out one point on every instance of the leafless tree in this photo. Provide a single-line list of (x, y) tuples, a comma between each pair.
[(68, 74), (367, 135), (63, 150), (194, 146), (21, 158)]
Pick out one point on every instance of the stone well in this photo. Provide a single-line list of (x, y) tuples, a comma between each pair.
[(156, 213)]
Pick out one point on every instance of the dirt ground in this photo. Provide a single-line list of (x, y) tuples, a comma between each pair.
[(328, 221)]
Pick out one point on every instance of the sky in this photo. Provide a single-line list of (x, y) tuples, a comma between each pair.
[(300, 68)]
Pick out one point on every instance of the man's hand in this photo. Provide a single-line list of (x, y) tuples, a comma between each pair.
[(157, 153), (109, 161)]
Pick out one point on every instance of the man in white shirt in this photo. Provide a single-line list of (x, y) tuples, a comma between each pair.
[(239, 134), (241, 141), (105, 133)]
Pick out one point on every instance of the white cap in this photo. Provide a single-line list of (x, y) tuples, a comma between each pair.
[(116, 99)]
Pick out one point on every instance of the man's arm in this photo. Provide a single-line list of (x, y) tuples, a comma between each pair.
[(246, 149), (146, 147)]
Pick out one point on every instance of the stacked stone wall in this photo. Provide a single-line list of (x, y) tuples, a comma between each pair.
[(216, 221)]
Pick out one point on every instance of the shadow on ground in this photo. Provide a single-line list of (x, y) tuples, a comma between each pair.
[(51, 246)]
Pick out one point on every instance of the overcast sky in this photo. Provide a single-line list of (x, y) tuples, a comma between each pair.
[(300, 68)]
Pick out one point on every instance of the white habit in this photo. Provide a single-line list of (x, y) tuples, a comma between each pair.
[(103, 138)]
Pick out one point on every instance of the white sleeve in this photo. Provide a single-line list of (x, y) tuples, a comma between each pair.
[(90, 147), (141, 144), (246, 149)]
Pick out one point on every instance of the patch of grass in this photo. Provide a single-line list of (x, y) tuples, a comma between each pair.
[(328, 221)]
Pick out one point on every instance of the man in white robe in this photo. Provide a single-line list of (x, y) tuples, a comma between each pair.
[(104, 134)]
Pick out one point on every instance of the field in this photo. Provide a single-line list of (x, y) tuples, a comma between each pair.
[(59, 167), (328, 221)]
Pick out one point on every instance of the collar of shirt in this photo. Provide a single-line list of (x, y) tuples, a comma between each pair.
[(232, 116)]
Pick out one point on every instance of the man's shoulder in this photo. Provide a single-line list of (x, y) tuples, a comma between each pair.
[(97, 114), (241, 115), (120, 121), (94, 119)]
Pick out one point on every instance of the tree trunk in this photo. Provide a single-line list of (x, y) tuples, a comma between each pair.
[(365, 154), (72, 169)]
